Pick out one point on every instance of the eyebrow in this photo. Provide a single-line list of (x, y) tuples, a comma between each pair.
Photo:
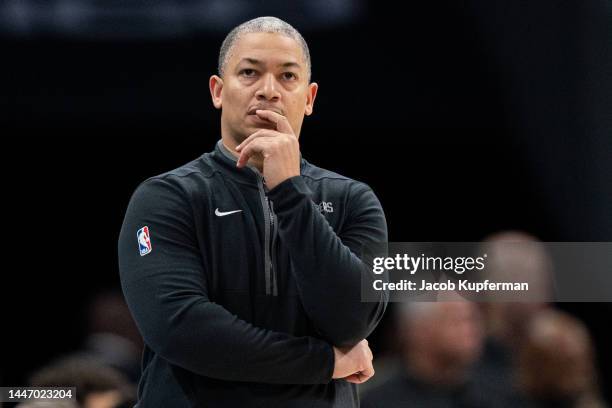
[(254, 61)]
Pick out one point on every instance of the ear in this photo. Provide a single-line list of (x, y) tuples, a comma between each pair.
[(310, 97), (215, 83)]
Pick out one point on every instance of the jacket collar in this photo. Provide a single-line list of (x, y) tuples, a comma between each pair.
[(227, 162)]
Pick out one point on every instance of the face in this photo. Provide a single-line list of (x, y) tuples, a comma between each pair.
[(105, 399), (459, 332), (264, 71), (453, 332)]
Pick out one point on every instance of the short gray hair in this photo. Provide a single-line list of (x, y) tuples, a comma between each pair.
[(262, 25)]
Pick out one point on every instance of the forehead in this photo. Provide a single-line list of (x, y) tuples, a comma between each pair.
[(270, 48)]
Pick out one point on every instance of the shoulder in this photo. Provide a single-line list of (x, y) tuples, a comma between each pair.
[(319, 176), (187, 179), (334, 190), (195, 169), (183, 189)]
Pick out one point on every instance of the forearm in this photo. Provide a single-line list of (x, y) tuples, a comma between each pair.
[(203, 337), (328, 273)]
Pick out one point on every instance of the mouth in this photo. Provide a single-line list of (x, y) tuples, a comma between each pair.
[(253, 109)]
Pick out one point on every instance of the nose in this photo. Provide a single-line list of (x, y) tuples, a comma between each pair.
[(268, 89)]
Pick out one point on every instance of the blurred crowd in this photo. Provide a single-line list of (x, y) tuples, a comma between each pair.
[(106, 369), (456, 353), (448, 353), (461, 354)]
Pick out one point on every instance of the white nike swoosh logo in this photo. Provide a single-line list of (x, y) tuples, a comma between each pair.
[(223, 214)]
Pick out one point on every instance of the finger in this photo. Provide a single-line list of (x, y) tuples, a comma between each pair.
[(258, 145), (255, 135), (354, 378), (358, 378), (368, 372), (282, 124)]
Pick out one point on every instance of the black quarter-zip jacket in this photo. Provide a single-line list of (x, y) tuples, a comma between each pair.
[(244, 291)]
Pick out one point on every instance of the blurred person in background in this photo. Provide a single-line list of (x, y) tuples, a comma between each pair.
[(113, 337), (441, 342), (43, 404), (556, 363), (514, 256), (97, 385)]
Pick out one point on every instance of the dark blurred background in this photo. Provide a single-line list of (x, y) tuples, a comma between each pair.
[(466, 118)]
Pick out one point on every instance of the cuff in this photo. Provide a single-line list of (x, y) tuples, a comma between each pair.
[(290, 190), (331, 364)]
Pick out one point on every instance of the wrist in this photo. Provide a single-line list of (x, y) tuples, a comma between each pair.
[(272, 183), (339, 369)]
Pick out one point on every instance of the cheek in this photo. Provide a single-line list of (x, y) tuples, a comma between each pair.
[(234, 99), (295, 111)]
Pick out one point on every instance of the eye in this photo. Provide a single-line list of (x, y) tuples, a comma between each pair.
[(290, 76), (247, 72)]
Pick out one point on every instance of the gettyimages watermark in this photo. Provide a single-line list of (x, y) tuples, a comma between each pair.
[(497, 271)]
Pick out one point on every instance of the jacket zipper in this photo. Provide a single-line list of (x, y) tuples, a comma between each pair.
[(271, 228), (270, 232), (274, 222)]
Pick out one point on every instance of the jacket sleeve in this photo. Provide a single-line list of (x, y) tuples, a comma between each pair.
[(327, 267), (167, 294)]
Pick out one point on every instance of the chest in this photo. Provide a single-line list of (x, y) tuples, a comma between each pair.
[(242, 246)]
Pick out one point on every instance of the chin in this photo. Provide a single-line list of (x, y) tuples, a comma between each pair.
[(241, 137)]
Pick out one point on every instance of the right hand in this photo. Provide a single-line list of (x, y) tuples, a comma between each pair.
[(354, 364)]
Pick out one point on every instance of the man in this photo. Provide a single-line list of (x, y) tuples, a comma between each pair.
[(241, 268), (519, 257), (97, 384), (441, 342)]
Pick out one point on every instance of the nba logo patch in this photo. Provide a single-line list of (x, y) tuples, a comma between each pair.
[(144, 241)]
